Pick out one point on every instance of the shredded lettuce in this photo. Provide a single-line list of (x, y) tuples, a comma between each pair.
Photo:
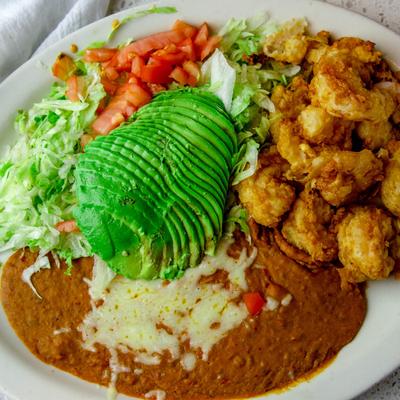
[(236, 217), (36, 175)]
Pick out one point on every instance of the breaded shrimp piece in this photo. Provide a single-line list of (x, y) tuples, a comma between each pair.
[(266, 195), (319, 127), (339, 84), (289, 44), (317, 46), (308, 227), (294, 149), (340, 176), (364, 237), (375, 134), (390, 188), (291, 100)]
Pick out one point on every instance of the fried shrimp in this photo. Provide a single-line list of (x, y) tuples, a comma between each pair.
[(319, 127), (390, 189), (375, 135), (341, 176), (265, 195), (308, 227), (289, 44), (340, 79), (364, 237)]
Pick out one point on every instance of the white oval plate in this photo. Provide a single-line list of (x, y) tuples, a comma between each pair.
[(374, 352)]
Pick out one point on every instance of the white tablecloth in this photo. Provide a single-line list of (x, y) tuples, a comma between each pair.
[(386, 12)]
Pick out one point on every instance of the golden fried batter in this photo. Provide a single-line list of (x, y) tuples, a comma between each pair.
[(289, 43), (265, 195), (308, 227), (375, 135), (364, 237), (339, 83), (341, 176), (390, 189)]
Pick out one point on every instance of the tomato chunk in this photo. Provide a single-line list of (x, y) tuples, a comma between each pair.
[(109, 119), (254, 302), (179, 75), (67, 226), (187, 47), (212, 43), (99, 55), (75, 88), (155, 42), (63, 67), (202, 36), (156, 72), (187, 29), (136, 95)]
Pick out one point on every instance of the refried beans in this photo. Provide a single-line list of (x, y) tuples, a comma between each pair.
[(267, 351)]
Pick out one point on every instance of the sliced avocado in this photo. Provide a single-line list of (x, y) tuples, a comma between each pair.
[(151, 194), (162, 138), (193, 208)]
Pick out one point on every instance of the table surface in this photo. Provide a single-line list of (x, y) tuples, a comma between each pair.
[(387, 13)]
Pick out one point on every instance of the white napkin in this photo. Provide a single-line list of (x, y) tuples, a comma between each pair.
[(29, 26)]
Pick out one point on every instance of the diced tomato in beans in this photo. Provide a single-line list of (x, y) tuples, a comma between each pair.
[(254, 302), (134, 73), (67, 226)]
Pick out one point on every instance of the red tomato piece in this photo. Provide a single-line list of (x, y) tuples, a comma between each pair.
[(192, 69), (212, 43), (179, 75), (75, 87), (156, 72), (187, 47), (254, 302), (155, 88), (137, 96), (187, 29), (99, 55), (63, 67), (109, 86), (67, 226), (109, 119), (111, 73), (169, 56), (202, 35), (155, 42), (137, 65)]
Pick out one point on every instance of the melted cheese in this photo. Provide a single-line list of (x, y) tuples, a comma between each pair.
[(42, 262), (154, 317)]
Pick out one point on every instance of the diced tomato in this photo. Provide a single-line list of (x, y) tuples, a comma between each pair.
[(75, 87), (133, 79), (187, 29), (137, 96), (202, 35), (179, 75), (99, 55), (156, 72), (108, 120), (254, 302), (172, 57), (137, 65), (212, 43), (155, 42), (193, 71), (67, 226), (63, 67), (111, 73), (187, 47), (109, 86)]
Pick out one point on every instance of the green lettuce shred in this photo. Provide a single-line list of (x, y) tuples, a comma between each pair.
[(36, 175)]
